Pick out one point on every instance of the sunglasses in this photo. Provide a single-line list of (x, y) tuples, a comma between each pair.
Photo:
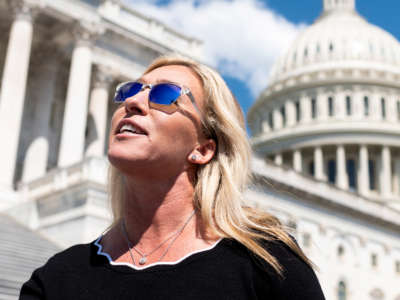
[(164, 94)]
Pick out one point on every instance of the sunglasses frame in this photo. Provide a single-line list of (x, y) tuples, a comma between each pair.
[(183, 91)]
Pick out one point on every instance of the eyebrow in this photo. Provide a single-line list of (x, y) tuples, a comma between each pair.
[(141, 80)]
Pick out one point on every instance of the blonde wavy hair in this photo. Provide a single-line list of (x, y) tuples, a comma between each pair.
[(221, 182)]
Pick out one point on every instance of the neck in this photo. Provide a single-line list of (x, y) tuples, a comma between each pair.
[(153, 211)]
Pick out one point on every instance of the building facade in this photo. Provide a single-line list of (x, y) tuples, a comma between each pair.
[(60, 63), (328, 130)]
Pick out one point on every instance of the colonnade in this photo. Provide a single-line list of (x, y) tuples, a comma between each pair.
[(385, 171), (350, 105), (13, 94)]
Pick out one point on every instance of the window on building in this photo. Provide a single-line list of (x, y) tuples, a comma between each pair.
[(330, 106), (366, 106), (397, 267), (331, 171), (383, 108), (311, 168), (342, 291), (374, 260), (294, 57), (371, 170), (292, 225), (283, 114), (352, 173), (318, 49), (331, 47), (348, 106), (313, 108), (271, 120), (305, 52), (298, 111), (398, 110), (306, 239), (340, 251)]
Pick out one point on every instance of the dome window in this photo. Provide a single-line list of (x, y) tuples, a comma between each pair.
[(374, 260), (313, 108), (331, 171), (298, 111), (366, 106), (397, 267), (340, 251), (342, 291), (318, 50), (283, 114), (348, 106), (270, 120), (398, 110), (372, 173), (351, 173), (330, 107), (331, 47), (311, 168), (306, 239), (305, 52), (383, 108)]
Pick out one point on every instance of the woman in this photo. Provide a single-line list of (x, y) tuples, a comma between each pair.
[(179, 163)]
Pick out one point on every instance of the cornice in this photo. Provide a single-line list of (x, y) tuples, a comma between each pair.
[(321, 194)]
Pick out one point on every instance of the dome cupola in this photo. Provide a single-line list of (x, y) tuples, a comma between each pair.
[(332, 107), (339, 5)]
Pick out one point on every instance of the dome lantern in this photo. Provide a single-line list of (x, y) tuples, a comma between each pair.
[(339, 5)]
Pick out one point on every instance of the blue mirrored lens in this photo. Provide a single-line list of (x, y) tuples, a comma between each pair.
[(164, 93), (128, 90)]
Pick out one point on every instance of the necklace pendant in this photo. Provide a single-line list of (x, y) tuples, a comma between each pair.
[(142, 261)]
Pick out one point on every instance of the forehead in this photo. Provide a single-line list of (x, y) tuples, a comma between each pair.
[(178, 74)]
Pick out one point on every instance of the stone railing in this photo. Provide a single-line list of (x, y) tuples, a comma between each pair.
[(92, 169)]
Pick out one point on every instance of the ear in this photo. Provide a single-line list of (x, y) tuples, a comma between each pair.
[(203, 153)]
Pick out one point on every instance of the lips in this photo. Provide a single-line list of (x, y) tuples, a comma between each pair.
[(128, 126)]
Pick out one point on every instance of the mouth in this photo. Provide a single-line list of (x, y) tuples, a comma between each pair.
[(129, 128)]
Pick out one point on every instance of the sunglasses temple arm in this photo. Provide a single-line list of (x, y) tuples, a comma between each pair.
[(194, 103)]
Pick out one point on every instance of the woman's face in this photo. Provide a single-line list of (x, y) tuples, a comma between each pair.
[(165, 139)]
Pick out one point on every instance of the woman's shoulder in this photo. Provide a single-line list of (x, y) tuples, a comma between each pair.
[(298, 279), (74, 257)]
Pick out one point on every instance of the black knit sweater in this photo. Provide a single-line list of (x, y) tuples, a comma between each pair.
[(226, 271)]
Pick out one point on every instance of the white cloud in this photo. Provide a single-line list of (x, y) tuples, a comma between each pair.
[(242, 38)]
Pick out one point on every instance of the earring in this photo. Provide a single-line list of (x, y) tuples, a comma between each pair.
[(194, 157)]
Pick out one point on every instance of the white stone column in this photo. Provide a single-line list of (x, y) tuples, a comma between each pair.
[(297, 161), (98, 110), (375, 107), (278, 159), (305, 108), (391, 111), (290, 113), (341, 179), (322, 107), (278, 122), (340, 105), (363, 171), (319, 164), (44, 80), (74, 122), (13, 89), (385, 172), (396, 179), (358, 105)]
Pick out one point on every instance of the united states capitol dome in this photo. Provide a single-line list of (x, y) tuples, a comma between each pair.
[(332, 106), (339, 39)]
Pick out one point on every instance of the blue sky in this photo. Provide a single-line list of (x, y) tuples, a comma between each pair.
[(243, 38)]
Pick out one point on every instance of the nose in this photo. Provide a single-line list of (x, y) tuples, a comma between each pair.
[(138, 104)]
